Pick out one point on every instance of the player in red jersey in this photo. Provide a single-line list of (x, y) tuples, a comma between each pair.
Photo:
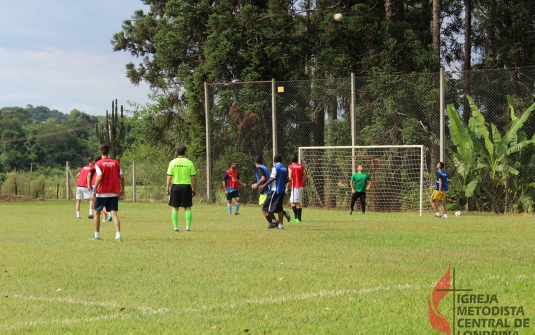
[(106, 216), (297, 180), (84, 185), (231, 183), (109, 187)]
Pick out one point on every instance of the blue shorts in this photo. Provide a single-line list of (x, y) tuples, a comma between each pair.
[(233, 194), (111, 204)]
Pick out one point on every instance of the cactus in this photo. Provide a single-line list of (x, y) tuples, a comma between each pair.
[(112, 131)]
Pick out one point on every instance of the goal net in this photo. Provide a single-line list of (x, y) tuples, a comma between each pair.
[(397, 174)]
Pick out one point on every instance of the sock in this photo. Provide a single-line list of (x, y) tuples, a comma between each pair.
[(229, 209), (237, 207), (97, 234), (295, 212), (91, 211), (77, 214), (189, 217), (117, 235), (299, 211), (174, 218), (268, 218), (438, 213)]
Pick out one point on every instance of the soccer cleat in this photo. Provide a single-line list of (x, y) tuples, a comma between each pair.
[(280, 226), (296, 220), (273, 224), (237, 214), (363, 213), (110, 217), (350, 211), (90, 216), (445, 216), (437, 216), (78, 217), (188, 230), (287, 215), (118, 239), (94, 239), (176, 230)]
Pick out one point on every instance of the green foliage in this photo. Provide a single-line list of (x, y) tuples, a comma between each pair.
[(9, 185), (34, 138), (42, 113), (185, 43), (38, 187), (485, 159)]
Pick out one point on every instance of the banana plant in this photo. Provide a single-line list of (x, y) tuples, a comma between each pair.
[(483, 157), (112, 131)]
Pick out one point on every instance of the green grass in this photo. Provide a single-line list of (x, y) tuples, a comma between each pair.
[(331, 274)]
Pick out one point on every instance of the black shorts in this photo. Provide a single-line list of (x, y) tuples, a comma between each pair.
[(111, 204), (234, 194), (273, 203), (181, 195)]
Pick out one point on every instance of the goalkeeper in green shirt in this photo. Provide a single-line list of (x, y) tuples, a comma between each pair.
[(360, 182)]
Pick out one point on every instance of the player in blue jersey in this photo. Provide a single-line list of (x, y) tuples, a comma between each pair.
[(441, 189), (275, 198), (262, 175)]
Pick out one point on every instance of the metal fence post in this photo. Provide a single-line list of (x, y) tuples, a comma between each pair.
[(67, 193), (442, 116), (274, 115), (352, 118), (208, 152), (134, 181)]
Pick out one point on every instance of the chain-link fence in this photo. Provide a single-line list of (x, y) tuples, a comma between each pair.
[(249, 119), (503, 180), (263, 118)]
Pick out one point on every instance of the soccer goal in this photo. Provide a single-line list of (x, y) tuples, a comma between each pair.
[(397, 173)]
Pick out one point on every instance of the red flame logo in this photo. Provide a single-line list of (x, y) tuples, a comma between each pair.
[(438, 321)]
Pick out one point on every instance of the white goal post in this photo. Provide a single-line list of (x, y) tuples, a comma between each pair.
[(397, 173)]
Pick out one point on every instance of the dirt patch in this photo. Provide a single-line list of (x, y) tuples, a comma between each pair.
[(13, 198)]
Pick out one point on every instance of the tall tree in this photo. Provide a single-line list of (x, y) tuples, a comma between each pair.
[(467, 58), (436, 23)]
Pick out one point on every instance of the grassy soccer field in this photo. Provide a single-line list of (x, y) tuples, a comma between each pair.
[(331, 274)]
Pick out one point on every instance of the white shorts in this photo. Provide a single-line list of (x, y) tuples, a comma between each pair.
[(83, 193), (296, 194)]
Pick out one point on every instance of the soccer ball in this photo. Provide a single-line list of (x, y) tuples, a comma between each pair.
[(338, 17), (458, 213)]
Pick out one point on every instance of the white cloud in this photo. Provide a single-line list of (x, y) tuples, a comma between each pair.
[(52, 77), (57, 54)]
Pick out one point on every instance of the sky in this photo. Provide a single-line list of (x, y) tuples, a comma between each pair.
[(57, 54)]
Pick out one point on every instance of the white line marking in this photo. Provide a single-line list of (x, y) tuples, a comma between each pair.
[(152, 311)]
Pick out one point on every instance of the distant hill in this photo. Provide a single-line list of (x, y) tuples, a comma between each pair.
[(42, 113)]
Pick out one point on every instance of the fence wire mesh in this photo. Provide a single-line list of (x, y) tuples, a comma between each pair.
[(387, 110), (400, 109)]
